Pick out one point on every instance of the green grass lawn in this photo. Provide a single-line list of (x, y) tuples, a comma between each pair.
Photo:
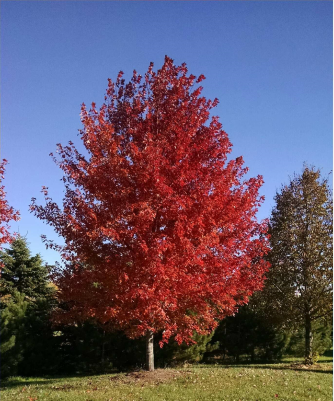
[(285, 381)]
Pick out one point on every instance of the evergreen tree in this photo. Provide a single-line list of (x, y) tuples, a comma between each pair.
[(12, 329), (40, 346), (322, 339), (251, 333), (299, 285), (23, 273), (27, 298), (174, 354)]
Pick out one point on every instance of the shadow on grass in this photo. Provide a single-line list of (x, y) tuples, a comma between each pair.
[(329, 360), (289, 365), (329, 353), (12, 382), (292, 365), (284, 367)]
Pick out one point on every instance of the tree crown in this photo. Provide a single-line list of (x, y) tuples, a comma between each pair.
[(160, 229)]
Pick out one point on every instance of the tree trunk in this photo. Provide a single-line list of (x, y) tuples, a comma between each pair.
[(252, 354), (308, 340), (237, 358), (149, 351), (224, 349), (103, 345)]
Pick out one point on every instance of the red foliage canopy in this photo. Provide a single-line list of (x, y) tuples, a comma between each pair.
[(7, 213), (160, 230)]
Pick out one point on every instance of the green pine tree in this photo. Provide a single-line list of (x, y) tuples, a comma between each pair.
[(322, 339), (173, 354), (23, 273), (27, 298), (252, 334), (12, 329)]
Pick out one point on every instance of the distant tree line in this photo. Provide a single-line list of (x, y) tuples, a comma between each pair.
[(291, 315)]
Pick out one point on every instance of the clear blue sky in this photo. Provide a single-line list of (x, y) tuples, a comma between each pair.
[(269, 63)]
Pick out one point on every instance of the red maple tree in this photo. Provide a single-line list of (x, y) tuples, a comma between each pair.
[(160, 229), (7, 213)]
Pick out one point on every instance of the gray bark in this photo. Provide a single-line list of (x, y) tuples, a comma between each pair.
[(308, 340), (149, 351)]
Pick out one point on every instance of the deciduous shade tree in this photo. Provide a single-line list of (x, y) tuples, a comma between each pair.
[(160, 230), (7, 213), (299, 285)]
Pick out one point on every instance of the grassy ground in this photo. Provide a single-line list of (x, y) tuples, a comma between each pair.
[(288, 381)]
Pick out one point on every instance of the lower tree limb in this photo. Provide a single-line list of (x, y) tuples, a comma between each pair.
[(149, 351)]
